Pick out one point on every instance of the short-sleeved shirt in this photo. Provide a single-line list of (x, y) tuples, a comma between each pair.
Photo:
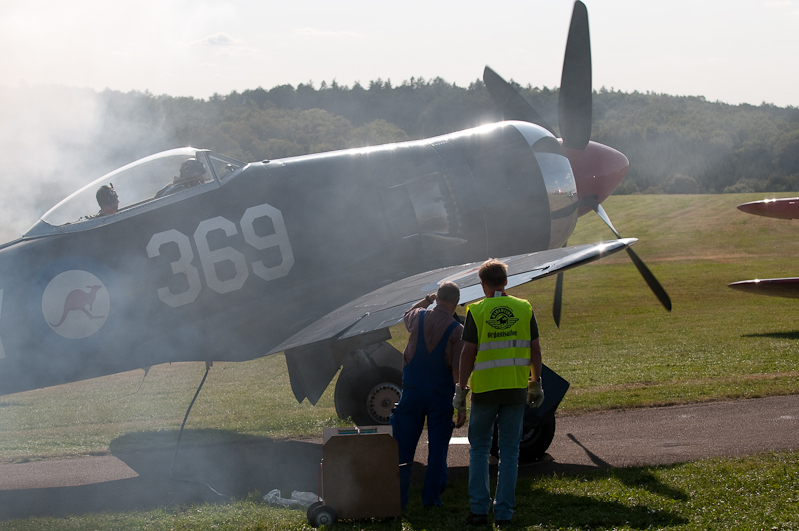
[(435, 324), (498, 396)]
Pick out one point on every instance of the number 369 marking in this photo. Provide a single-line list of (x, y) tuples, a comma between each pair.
[(209, 258)]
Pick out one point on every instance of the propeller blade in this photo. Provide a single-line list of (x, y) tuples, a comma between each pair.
[(574, 103), (649, 278), (651, 281), (511, 103), (557, 304), (602, 214)]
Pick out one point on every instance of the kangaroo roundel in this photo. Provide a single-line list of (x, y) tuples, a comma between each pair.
[(75, 304)]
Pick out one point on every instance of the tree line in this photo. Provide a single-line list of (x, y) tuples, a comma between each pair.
[(675, 144)]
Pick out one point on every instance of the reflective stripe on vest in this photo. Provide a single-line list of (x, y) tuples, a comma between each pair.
[(503, 352), (504, 362), (496, 345)]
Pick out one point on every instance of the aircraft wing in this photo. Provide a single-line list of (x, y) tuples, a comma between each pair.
[(784, 208), (774, 287), (386, 306)]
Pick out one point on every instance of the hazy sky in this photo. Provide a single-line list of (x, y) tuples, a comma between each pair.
[(733, 51)]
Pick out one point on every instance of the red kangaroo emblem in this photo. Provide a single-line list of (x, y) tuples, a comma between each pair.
[(81, 301)]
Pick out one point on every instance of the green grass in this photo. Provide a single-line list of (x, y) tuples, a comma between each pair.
[(751, 493), (84, 418)]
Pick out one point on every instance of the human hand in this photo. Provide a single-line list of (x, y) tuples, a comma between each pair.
[(461, 418), (535, 395), (459, 398)]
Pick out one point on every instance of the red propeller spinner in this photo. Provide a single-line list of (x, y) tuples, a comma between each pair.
[(598, 170)]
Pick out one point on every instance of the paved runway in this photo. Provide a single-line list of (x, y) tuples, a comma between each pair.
[(145, 479)]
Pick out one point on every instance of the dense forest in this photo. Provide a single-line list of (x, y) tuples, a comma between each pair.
[(675, 144)]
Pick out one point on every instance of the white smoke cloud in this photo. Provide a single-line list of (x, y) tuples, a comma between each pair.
[(43, 130), (54, 140)]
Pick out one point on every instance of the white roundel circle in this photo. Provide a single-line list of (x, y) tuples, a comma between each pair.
[(75, 304)]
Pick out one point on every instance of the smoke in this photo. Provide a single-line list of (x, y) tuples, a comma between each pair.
[(55, 139)]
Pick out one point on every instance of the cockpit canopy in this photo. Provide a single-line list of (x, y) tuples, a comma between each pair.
[(136, 184)]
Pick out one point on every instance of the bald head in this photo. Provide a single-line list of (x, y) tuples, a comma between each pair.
[(448, 292)]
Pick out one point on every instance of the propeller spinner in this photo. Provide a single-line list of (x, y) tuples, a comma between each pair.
[(598, 169)]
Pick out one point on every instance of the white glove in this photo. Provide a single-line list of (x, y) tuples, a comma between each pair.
[(535, 395), (459, 398)]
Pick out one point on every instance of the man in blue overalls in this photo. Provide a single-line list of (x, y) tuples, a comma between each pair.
[(431, 362)]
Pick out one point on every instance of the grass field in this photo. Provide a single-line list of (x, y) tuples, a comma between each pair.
[(753, 493), (616, 345)]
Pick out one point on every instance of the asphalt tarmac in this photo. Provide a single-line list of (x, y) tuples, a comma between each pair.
[(128, 480)]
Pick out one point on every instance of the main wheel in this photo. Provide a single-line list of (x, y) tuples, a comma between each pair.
[(323, 515), (374, 397), (537, 435)]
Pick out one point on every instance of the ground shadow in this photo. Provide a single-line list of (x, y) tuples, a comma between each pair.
[(233, 465), (559, 510), (212, 473), (775, 335), (632, 477), (541, 508)]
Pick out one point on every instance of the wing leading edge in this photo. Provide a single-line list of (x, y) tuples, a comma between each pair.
[(783, 208), (774, 287), (386, 306)]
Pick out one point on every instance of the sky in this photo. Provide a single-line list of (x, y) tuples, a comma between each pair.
[(734, 51)]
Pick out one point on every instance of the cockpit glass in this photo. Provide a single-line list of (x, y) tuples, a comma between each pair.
[(140, 182), (223, 166)]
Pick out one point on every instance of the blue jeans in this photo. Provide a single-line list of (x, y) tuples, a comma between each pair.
[(408, 421), (509, 418)]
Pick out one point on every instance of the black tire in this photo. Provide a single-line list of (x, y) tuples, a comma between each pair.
[(536, 437), (311, 509), (324, 515), (375, 395)]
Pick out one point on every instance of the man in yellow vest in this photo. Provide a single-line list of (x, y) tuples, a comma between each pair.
[(502, 355)]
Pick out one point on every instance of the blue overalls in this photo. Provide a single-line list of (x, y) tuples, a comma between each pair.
[(427, 389)]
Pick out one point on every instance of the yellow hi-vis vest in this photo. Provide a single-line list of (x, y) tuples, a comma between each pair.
[(503, 351)]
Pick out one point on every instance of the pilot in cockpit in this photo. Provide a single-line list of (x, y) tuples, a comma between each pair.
[(108, 200), (192, 173)]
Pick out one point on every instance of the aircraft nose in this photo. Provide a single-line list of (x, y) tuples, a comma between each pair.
[(598, 170)]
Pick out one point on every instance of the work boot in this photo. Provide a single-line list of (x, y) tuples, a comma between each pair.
[(476, 519)]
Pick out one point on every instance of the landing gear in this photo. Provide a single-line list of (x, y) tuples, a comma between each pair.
[(537, 435), (381, 397), (370, 396)]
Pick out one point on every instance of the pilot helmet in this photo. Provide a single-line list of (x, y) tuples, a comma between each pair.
[(191, 169), (106, 196)]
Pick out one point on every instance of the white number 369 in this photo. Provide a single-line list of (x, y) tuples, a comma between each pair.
[(209, 258)]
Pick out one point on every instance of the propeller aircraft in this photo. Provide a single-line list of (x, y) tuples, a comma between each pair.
[(784, 208), (314, 256)]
